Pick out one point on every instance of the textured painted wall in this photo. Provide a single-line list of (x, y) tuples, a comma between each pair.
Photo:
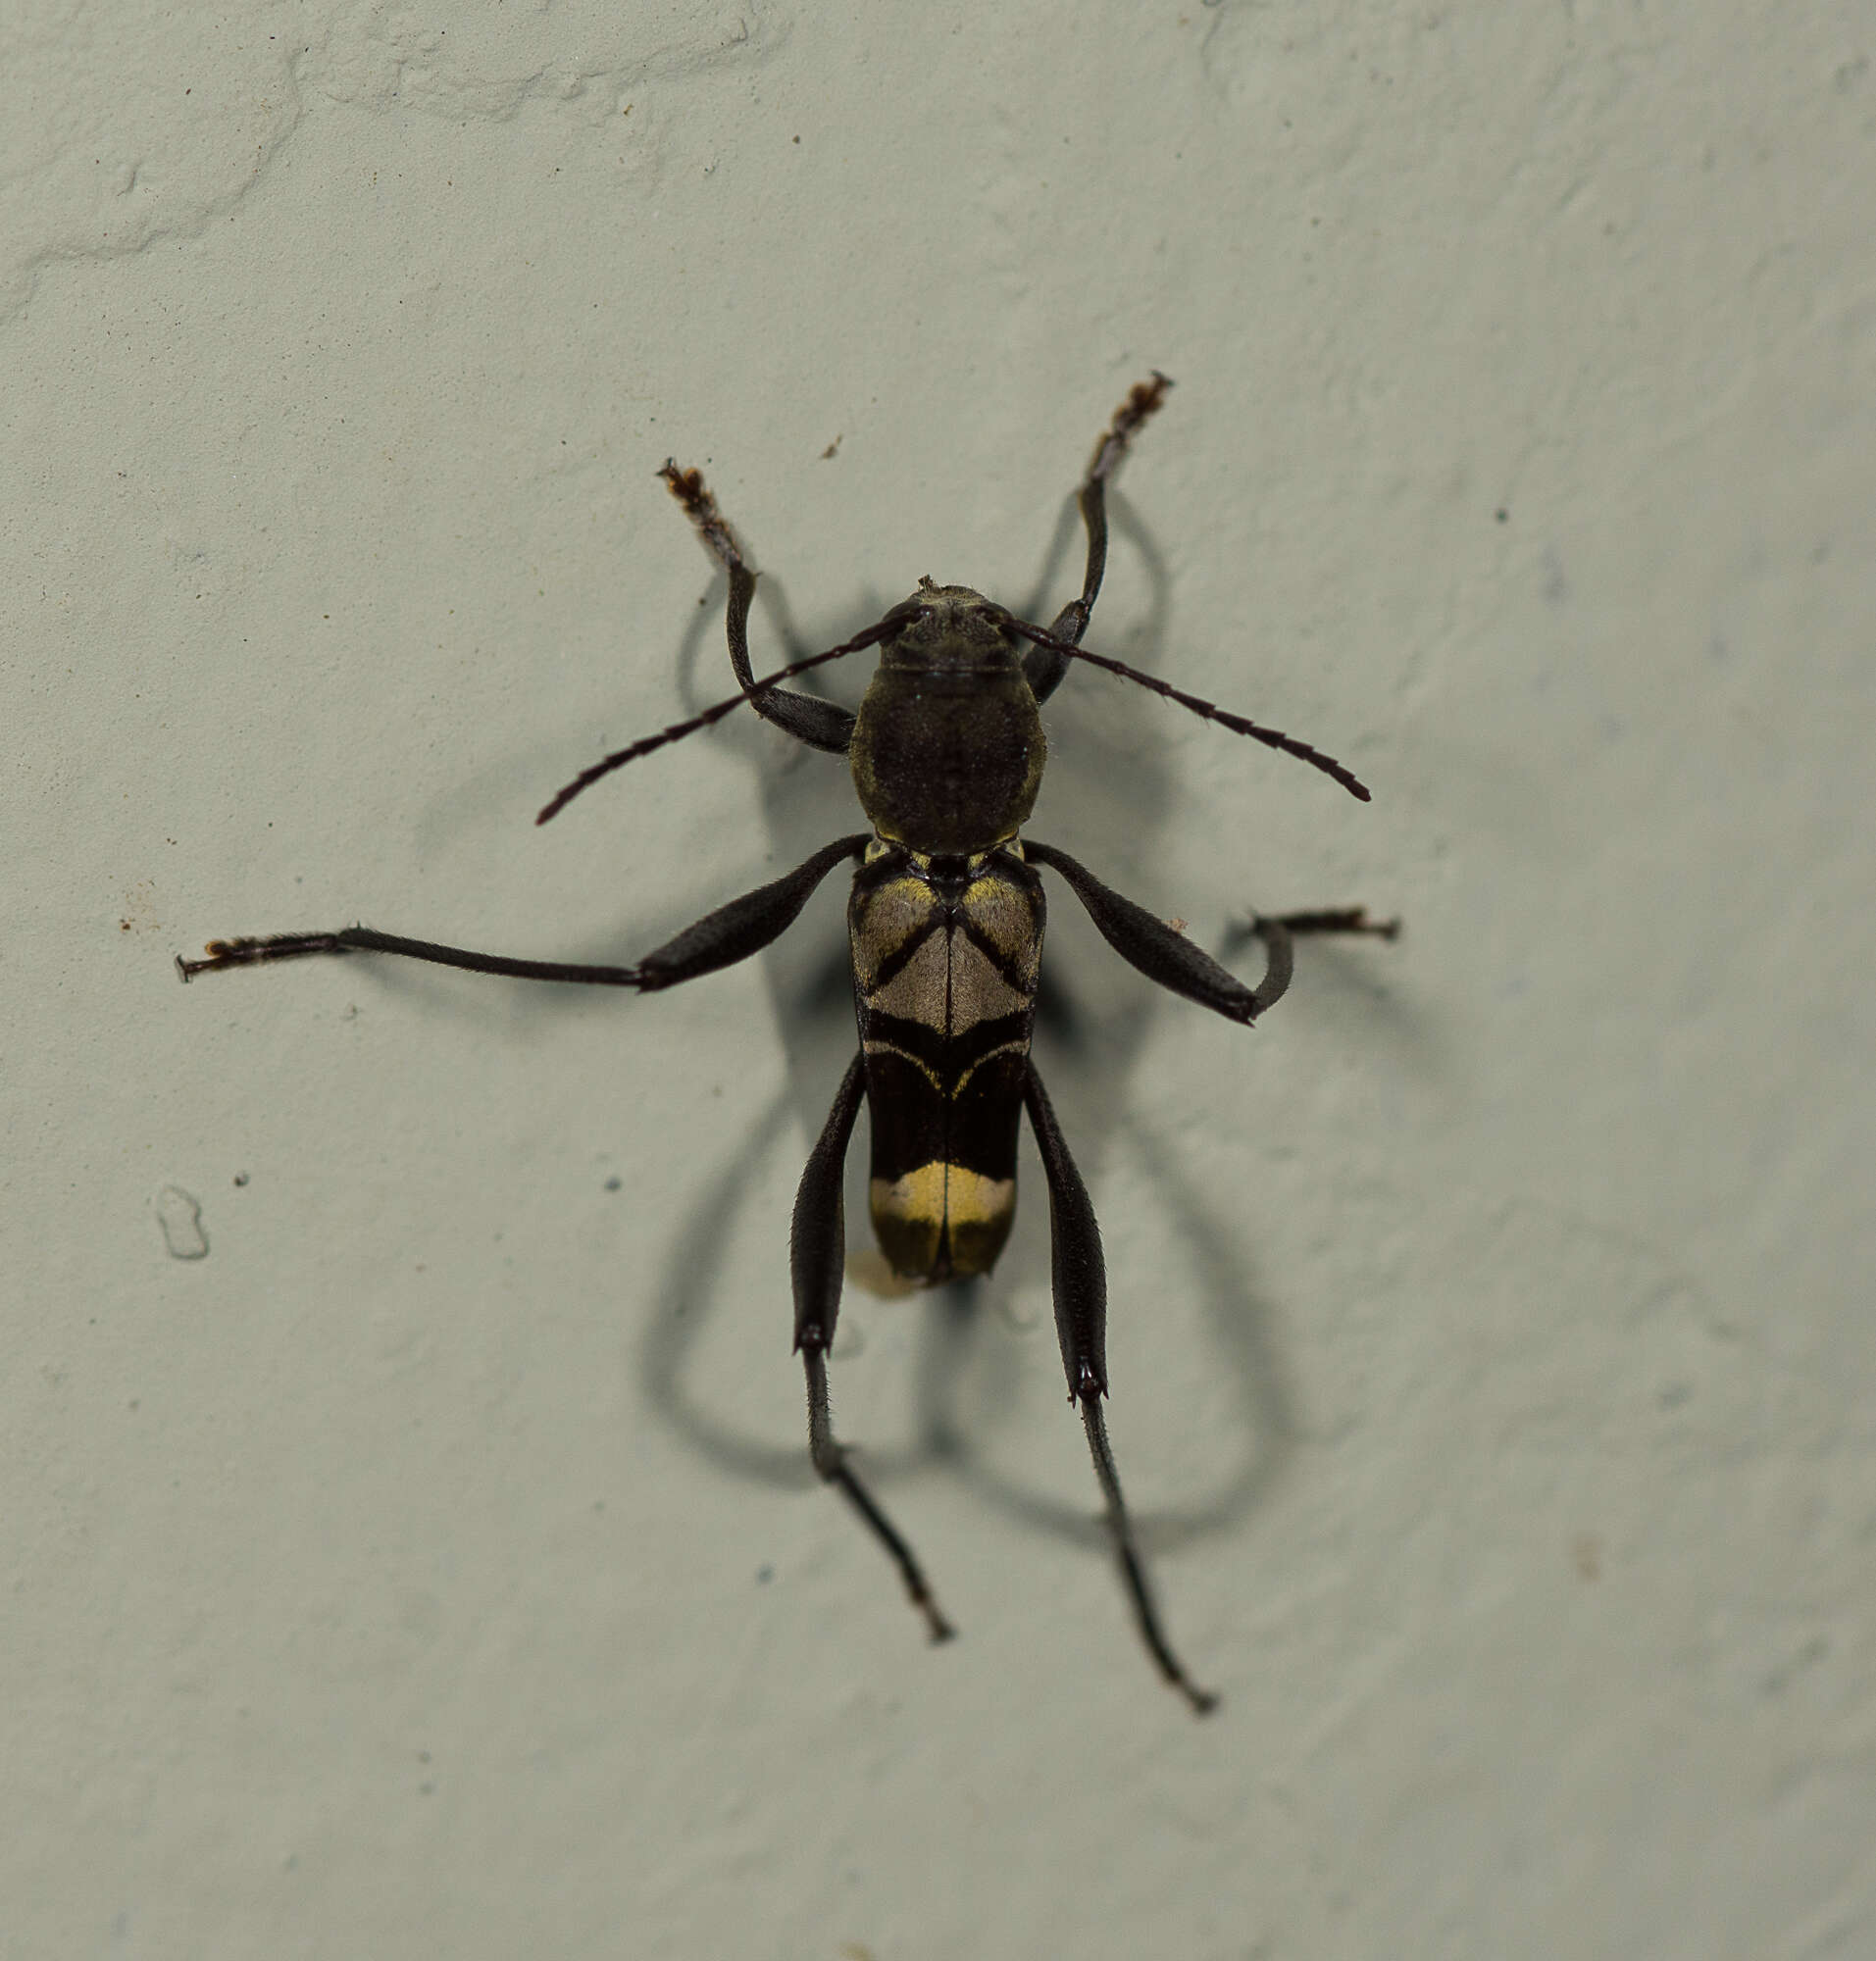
[(408, 1540)]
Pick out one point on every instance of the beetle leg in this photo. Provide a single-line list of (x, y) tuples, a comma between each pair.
[(821, 725), (1321, 923), (1041, 668), (817, 1255), (1167, 956), (253, 952), (1080, 1280), (1336, 919), (731, 932), (748, 925)]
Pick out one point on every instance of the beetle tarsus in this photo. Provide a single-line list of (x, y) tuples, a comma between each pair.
[(1338, 919)]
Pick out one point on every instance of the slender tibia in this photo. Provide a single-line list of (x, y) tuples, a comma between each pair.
[(1133, 1568), (1080, 1285), (829, 1460)]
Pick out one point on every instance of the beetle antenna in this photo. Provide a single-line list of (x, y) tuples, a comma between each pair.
[(678, 730), (1273, 738)]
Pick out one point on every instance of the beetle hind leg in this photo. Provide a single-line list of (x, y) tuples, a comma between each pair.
[(1080, 1280), (816, 1250), (1202, 1701), (829, 1460)]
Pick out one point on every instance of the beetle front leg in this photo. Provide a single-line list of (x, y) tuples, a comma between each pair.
[(1042, 669), (821, 725), (1079, 1281), (817, 1257)]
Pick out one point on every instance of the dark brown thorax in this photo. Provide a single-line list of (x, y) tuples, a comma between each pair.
[(948, 749)]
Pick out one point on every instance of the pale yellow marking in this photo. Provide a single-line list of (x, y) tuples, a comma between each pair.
[(925, 1069), (1002, 1048), (968, 1213), (943, 1191), (948, 985), (979, 993), (973, 863), (1007, 920), (918, 991), (972, 1199), (917, 1196), (892, 916)]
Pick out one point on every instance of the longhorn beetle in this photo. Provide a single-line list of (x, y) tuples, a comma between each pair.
[(945, 923)]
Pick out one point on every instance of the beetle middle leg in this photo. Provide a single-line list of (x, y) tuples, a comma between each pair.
[(720, 940), (1080, 1285), (816, 1256), (1165, 955), (1336, 919)]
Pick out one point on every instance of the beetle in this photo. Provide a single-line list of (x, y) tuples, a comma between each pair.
[(945, 923)]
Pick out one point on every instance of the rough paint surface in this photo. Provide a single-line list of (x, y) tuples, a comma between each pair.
[(430, 1571)]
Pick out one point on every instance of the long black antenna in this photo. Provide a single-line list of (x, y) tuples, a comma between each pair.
[(881, 629), (1273, 738)]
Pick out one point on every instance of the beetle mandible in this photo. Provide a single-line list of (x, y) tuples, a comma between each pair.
[(945, 922)]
